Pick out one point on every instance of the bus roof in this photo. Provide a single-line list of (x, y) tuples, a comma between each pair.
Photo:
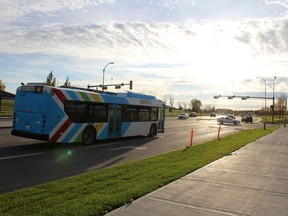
[(129, 95)]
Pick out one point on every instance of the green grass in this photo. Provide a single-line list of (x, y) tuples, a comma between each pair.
[(277, 120), (98, 192), (7, 108), (173, 113)]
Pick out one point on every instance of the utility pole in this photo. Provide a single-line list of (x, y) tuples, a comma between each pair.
[(103, 87), (0, 99), (273, 110), (265, 103), (285, 113)]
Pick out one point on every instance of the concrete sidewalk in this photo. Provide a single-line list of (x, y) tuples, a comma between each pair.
[(251, 181), (6, 122)]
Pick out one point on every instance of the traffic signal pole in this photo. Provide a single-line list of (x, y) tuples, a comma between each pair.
[(246, 97), (117, 86)]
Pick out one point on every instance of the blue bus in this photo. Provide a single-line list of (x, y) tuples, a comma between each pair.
[(62, 114)]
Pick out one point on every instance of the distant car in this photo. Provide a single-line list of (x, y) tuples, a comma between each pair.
[(183, 116), (231, 116), (247, 119), (193, 114), (212, 114), (228, 120)]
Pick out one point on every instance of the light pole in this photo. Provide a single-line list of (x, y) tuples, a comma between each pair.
[(104, 73), (265, 102), (273, 112)]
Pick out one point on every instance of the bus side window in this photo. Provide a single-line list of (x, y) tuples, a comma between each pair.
[(98, 112), (75, 111), (144, 114), (154, 113), (130, 114)]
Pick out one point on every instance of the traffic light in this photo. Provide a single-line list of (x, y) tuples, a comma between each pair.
[(271, 108), (131, 85)]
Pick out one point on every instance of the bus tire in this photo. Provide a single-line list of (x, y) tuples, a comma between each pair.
[(89, 136), (153, 131)]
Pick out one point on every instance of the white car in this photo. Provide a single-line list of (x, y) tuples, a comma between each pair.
[(228, 120), (183, 116)]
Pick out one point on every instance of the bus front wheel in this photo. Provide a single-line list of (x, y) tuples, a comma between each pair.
[(89, 136), (153, 131)]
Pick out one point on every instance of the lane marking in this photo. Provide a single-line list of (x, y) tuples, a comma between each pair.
[(128, 147), (19, 156), (100, 145), (182, 133)]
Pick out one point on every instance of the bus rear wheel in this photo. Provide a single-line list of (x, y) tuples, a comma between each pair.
[(153, 131), (89, 136)]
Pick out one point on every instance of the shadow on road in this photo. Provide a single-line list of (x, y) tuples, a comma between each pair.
[(32, 164)]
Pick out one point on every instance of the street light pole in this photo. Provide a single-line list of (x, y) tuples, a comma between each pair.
[(273, 111), (265, 102), (104, 73)]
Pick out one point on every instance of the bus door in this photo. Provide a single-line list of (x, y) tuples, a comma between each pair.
[(161, 123), (114, 120)]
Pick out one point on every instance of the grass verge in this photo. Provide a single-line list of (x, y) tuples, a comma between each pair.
[(7, 108), (98, 192), (277, 119)]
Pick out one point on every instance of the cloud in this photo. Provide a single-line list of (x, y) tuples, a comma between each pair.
[(274, 38), (24, 7), (194, 48), (12, 11), (265, 36), (202, 57), (89, 41), (283, 3)]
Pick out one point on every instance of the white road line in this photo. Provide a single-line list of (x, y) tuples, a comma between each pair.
[(182, 133), (19, 156), (95, 146), (128, 147)]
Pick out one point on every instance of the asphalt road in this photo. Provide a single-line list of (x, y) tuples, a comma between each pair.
[(26, 162)]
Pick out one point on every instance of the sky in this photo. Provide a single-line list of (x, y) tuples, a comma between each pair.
[(187, 49)]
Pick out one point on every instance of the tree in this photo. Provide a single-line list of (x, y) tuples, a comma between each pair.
[(165, 99), (185, 105), (51, 80), (280, 105), (2, 88), (171, 101), (180, 106), (210, 108), (196, 105), (67, 82)]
